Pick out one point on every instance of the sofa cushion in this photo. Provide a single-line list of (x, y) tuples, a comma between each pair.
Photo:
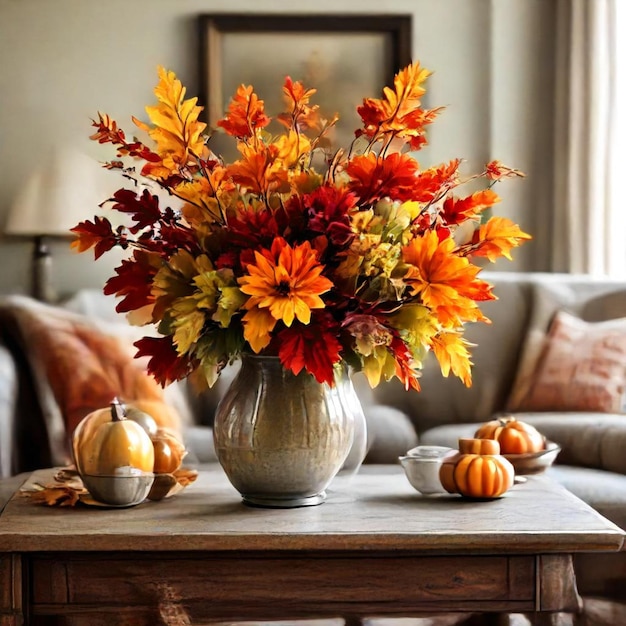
[(75, 367), (582, 367), (590, 299)]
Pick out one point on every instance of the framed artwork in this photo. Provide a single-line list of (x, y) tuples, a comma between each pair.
[(345, 57)]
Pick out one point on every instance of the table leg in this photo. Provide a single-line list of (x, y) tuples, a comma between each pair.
[(11, 611)]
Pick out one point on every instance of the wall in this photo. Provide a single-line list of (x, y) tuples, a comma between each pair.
[(64, 60)]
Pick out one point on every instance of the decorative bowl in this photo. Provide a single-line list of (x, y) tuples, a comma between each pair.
[(421, 466), (119, 490), (534, 462), (429, 451)]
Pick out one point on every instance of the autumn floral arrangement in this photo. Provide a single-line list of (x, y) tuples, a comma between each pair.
[(294, 249)]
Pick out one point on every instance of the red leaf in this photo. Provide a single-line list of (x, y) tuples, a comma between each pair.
[(405, 371), (133, 280), (144, 209), (97, 234), (165, 364)]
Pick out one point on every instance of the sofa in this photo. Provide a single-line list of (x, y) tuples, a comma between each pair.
[(527, 366), (566, 378)]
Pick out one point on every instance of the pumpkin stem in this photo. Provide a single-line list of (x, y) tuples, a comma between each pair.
[(118, 412)]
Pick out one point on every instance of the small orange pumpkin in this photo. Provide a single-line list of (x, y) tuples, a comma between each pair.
[(168, 451), (105, 440), (477, 470), (514, 437)]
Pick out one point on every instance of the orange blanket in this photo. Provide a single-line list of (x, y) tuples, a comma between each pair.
[(76, 367)]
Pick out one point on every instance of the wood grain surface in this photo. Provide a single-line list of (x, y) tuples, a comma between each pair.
[(375, 511)]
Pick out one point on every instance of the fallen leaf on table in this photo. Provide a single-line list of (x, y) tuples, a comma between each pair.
[(185, 476), (55, 495)]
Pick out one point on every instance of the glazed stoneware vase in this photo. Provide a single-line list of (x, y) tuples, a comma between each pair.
[(282, 438)]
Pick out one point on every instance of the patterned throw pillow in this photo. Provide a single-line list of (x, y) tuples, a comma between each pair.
[(582, 367)]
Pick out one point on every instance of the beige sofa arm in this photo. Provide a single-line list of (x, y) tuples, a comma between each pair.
[(595, 440), (390, 433)]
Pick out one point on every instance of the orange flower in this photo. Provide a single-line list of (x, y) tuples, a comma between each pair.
[(444, 281), (373, 178), (285, 281)]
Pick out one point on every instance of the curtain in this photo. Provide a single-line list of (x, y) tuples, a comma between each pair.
[(586, 228)]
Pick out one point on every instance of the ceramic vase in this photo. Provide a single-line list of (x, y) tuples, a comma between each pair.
[(282, 438)]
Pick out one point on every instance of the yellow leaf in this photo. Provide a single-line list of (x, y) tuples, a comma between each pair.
[(176, 129), (200, 195), (188, 322), (379, 364), (417, 320), (451, 350), (291, 147)]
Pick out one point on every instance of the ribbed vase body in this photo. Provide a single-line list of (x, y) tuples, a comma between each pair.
[(282, 438)]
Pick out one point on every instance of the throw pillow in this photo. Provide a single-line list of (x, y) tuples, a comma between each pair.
[(582, 367), (76, 366)]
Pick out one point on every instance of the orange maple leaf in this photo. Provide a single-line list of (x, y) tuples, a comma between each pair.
[(496, 238), (398, 112), (259, 170), (55, 495), (298, 114), (458, 210), (435, 181), (246, 114)]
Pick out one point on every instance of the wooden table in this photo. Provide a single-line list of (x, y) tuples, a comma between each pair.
[(375, 548)]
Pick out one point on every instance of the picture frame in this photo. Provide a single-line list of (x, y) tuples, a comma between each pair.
[(344, 57)]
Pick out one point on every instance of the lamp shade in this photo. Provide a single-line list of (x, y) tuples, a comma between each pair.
[(65, 190)]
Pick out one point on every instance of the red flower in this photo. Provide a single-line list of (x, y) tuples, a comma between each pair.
[(314, 347), (329, 211)]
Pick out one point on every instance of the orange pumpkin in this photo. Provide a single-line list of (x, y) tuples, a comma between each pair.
[(105, 441), (168, 451), (479, 446), (514, 437), (477, 470)]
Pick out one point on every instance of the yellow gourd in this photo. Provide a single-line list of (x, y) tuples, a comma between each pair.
[(105, 441), (477, 470)]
